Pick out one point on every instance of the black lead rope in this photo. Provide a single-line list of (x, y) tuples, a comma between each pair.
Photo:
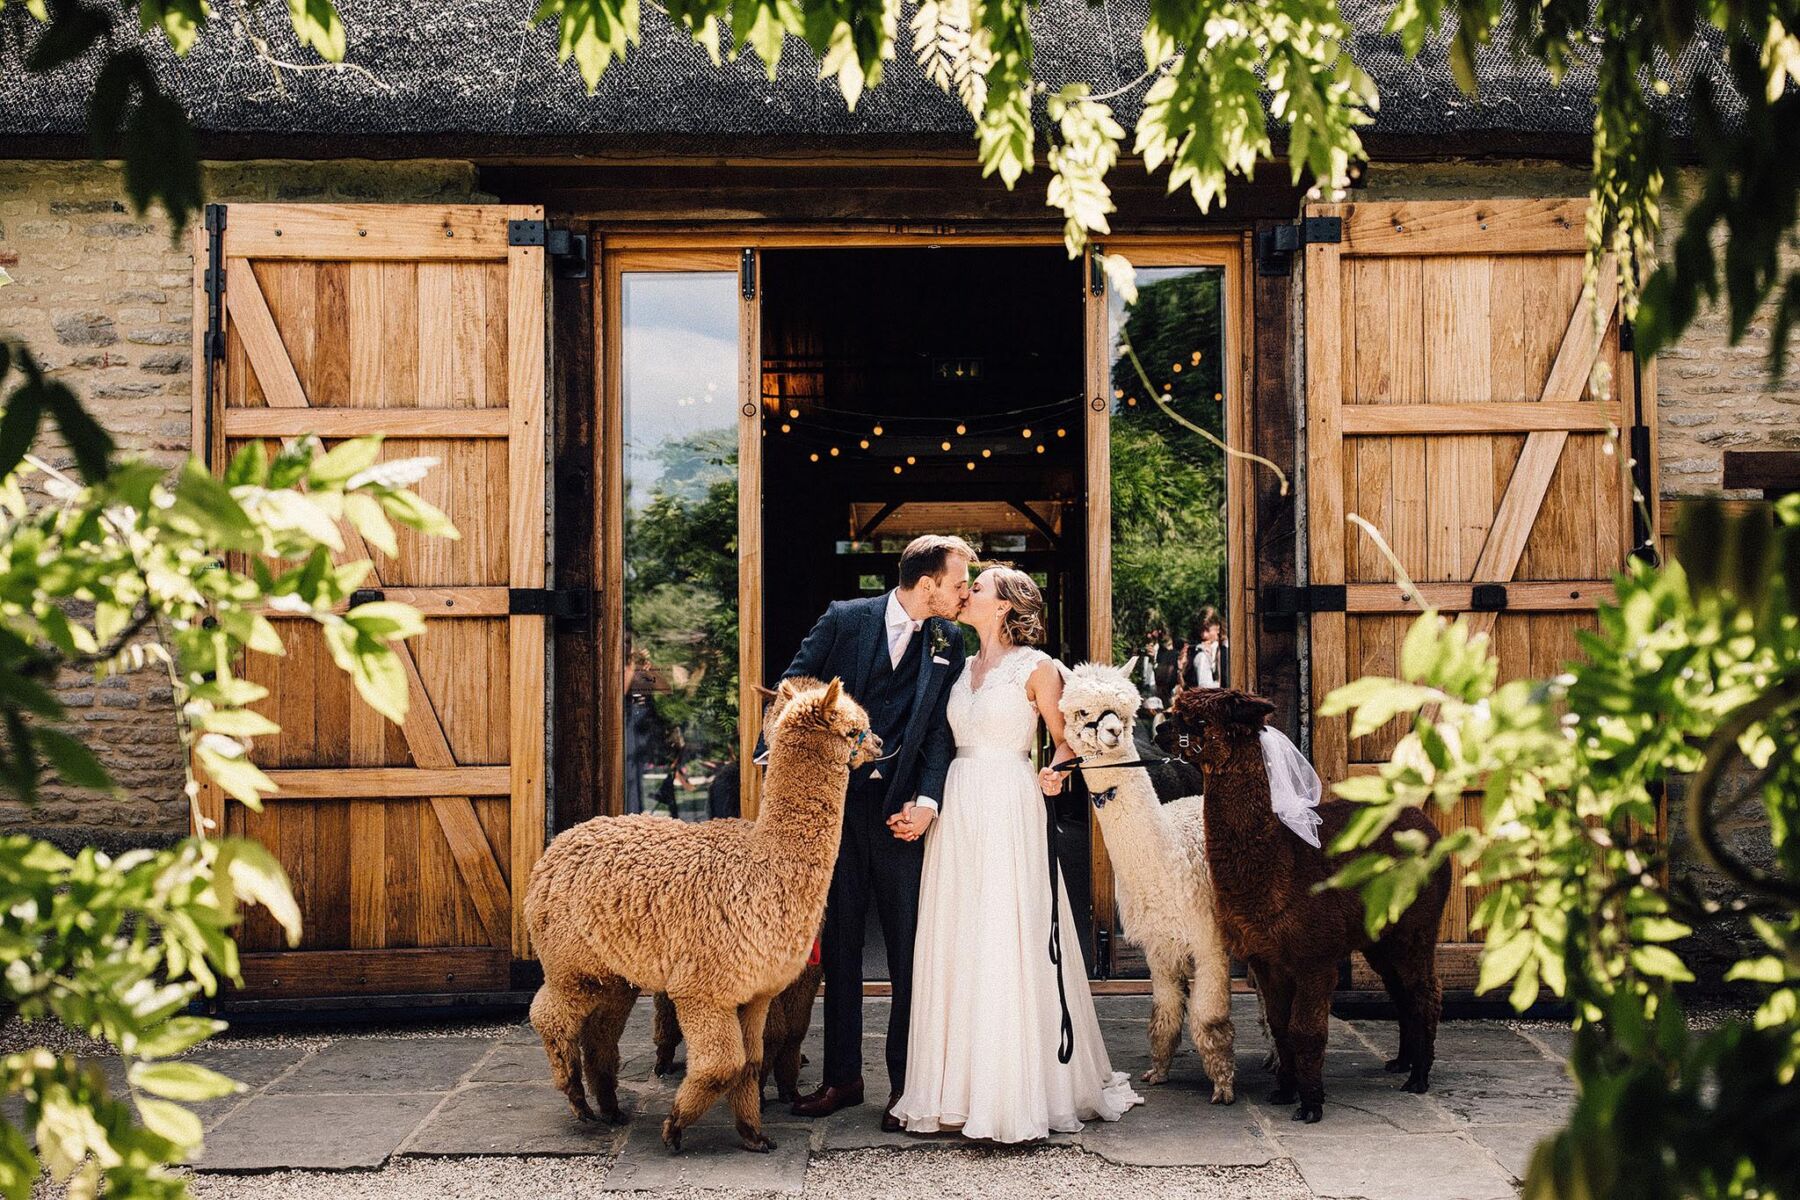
[(1065, 1045)]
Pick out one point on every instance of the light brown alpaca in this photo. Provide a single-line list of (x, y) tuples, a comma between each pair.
[(790, 1016), (719, 915)]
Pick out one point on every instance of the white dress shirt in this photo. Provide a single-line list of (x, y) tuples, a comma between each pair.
[(900, 630)]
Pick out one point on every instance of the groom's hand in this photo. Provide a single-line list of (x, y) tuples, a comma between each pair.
[(911, 822)]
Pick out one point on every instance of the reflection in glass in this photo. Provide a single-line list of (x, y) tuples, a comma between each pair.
[(679, 373), (1168, 482)]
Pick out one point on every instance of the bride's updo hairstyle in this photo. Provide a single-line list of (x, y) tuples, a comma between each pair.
[(1024, 621)]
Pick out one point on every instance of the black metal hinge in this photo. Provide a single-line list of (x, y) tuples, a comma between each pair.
[(563, 604), (1282, 603), (1275, 248), (215, 281), (567, 251), (1487, 597), (1103, 963), (1096, 271), (747, 274)]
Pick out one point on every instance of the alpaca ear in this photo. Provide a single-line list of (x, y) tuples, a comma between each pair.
[(1129, 663), (831, 692)]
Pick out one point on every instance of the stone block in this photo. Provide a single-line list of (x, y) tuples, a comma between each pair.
[(513, 1119), (711, 1160), (1444, 1166), (386, 1065), (322, 1133)]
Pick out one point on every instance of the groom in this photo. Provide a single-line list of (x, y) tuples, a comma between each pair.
[(897, 654)]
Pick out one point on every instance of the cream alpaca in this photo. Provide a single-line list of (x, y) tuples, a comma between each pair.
[(719, 915), (1159, 861)]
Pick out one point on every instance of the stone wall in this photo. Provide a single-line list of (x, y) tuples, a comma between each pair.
[(104, 298)]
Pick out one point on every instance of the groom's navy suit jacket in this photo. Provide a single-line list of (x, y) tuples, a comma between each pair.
[(848, 642)]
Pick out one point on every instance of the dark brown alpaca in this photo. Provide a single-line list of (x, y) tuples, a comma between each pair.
[(1292, 937), (790, 1016)]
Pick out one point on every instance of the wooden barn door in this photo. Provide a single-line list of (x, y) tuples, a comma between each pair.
[(1448, 359), (407, 846)]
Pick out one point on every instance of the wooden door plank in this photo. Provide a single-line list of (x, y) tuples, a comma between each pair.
[(423, 731), (262, 342), (1325, 487), (349, 783), (414, 232), (373, 972), (1524, 496), (525, 563), (433, 603), (1097, 422), (1483, 227), (750, 544), (1578, 595), (294, 421), (1382, 420)]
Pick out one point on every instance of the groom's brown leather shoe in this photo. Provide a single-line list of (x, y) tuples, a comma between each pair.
[(889, 1122), (828, 1100)]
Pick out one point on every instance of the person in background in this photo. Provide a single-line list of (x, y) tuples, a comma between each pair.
[(1206, 659), (1143, 733), (1146, 668), (1168, 667)]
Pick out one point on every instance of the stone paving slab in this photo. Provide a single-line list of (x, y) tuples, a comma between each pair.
[(1504, 1093), (331, 1133), (253, 1066), (1461, 1041), (1511, 1144), (391, 1065), (1434, 1166), (514, 1118), (1173, 1129), (711, 1159)]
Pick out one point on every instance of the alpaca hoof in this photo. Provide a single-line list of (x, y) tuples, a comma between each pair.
[(665, 1066), (1154, 1076), (1309, 1113), (1282, 1095), (581, 1110), (615, 1117), (1394, 1066), (757, 1144), (1222, 1094), (1418, 1085), (671, 1135)]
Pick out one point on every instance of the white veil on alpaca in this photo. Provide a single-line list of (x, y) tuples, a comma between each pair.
[(1294, 786)]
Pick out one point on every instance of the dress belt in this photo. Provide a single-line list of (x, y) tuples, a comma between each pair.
[(992, 752)]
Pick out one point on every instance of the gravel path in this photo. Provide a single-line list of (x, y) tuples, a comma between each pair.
[(1048, 1173)]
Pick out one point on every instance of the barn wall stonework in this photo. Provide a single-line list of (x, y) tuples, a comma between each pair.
[(104, 298)]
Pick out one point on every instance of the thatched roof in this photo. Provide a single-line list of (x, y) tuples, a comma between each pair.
[(473, 76)]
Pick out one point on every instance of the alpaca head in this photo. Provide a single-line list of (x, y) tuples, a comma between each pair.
[(1099, 705), (1208, 726), (803, 705)]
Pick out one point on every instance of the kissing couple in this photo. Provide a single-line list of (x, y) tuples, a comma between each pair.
[(945, 836)]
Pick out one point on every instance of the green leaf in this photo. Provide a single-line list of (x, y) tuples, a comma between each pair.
[(386, 619), (1661, 963), (238, 722), (1423, 650), (170, 1120), (345, 460), (316, 24), (415, 513), (18, 1165), (182, 1081), (1658, 929), (1766, 969), (367, 518), (257, 878), (177, 1035), (1501, 962)]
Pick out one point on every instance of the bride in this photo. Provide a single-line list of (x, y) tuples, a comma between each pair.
[(986, 1019)]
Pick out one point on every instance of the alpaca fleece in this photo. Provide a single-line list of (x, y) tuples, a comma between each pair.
[(719, 915), (790, 1016), (1165, 893), (1293, 938)]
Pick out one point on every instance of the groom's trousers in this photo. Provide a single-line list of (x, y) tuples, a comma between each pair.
[(873, 867)]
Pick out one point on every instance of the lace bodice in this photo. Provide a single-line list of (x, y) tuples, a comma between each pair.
[(997, 715)]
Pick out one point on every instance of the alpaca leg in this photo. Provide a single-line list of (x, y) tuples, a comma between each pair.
[(1271, 1060), (746, 1094), (1168, 984), (1209, 1020), (1277, 990), (1424, 1004), (666, 1029), (715, 1063), (1309, 1021), (559, 1013), (1381, 959), (600, 1047), (784, 1064)]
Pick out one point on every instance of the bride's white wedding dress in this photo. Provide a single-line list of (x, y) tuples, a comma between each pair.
[(985, 1016)]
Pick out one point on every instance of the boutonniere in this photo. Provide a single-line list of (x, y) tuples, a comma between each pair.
[(940, 642)]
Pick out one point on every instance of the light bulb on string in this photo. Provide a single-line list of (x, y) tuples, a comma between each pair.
[(987, 454), (1175, 367), (946, 445), (878, 431), (793, 414), (786, 428), (1025, 433), (864, 443), (961, 429), (834, 452), (814, 456), (911, 461), (896, 470), (1040, 448), (971, 466), (1062, 433)]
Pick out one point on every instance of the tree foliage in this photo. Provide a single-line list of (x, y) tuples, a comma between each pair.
[(1692, 670), (135, 569), (1228, 84)]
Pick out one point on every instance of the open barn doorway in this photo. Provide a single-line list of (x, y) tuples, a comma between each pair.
[(908, 391)]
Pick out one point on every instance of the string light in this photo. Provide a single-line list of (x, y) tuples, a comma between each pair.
[(1175, 367), (1062, 433), (961, 429), (1118, 393), (1025, 433), (814, 456), (864, 443), (1040, 448), (793, 414), (786, 428), (878, 431), (971, 466), (910, 460), (896, 470), (987, 454), (1218, 395), (834, 452), (1196, 358), (946, 445)]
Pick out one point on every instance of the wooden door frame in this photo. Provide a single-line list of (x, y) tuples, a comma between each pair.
[(698, 248), (1229, 252)]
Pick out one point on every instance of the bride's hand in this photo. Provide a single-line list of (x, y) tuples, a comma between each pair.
[(1050, 781)]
